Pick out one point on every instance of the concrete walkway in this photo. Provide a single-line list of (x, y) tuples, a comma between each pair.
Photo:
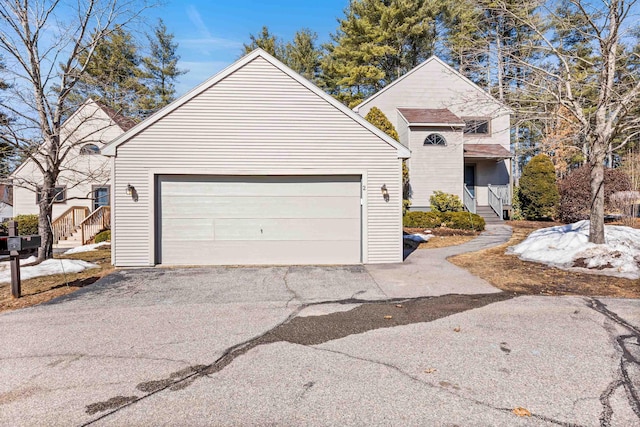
[(426, 272)]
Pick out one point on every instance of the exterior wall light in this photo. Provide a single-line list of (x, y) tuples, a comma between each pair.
[(130, 189), (385, 192)]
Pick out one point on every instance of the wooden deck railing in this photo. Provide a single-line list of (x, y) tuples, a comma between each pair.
[(468, 200), (99, 220), (68, 222)]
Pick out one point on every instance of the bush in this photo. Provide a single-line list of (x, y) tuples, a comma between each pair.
[(457, 220), (27, 225), (538, 192), (463, 221), (575, 192), (445, 202), (103, 236), (422, 219)]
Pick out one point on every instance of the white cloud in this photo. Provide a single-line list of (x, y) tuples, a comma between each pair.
[(206, 42)]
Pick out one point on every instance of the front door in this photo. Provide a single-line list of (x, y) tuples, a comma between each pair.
[(100, 197), (470, 178)]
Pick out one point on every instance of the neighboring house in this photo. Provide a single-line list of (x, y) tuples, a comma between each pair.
[(458, 134), (256, 166), (84, 182), (6, 202)]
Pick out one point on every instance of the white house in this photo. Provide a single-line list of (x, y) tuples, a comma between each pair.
[(458, 134), (84, 185), (256, 166)]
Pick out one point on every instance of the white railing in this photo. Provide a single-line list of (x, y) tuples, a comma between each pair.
[(503, 192), (468, 200), (495, 201)]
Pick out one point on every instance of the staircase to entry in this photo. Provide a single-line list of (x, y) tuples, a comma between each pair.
[(77, 226)]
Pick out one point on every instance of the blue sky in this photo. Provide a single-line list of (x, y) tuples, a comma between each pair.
[(211, 33)]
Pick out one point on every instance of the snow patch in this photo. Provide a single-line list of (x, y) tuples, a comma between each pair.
[(418, 238), (568, 247), (86, 248), (46, 268)]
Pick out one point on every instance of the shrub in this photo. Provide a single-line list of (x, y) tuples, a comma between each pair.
[(538, 192), (463, 221), (27, 224), (575, 192), (422, 219), (103, 236), (445, 202)]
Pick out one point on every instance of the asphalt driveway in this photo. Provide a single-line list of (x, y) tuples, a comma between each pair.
[(318, 346)]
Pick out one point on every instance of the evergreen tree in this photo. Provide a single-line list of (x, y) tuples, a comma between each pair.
[(6, 151), (112, 75), (302, 54), (267, 42), (538, 192), (160, 69)]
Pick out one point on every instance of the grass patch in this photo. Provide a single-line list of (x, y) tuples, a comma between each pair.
[(44, 288), (509, 273), (443, 237)]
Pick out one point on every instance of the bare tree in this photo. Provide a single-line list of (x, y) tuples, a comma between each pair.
[(47, 45), (598, 86)]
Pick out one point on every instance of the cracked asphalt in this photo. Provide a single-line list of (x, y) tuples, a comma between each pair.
[(318, 346)]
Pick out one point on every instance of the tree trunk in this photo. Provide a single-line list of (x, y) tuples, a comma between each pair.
[(596, 216), (44, 218)]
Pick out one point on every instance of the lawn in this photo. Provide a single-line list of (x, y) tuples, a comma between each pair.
[(509, 273), (45, 288), (443, 236)]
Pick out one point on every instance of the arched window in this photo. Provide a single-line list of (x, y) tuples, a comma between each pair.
[(89, 149), (435, 139)]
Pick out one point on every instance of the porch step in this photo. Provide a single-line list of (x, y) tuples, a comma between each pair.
[(490, 217)]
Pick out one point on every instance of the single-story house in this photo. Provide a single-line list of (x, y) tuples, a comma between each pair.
[(255, 166), (458, 134)]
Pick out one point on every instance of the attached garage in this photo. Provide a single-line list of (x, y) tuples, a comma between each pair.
[(259, 220), (256, 166)]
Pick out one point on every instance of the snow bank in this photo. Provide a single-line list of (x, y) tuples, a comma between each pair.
[(46, 268), (86, 248), (568, 247), (418, 238)]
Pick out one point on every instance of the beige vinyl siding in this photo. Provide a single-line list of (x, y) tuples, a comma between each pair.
[(434, 167), (80, 173), (256, 121), (434, 85)]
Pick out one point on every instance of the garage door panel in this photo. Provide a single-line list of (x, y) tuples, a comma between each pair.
[(260, 207), (263, 253), (259, 220), (287, 229), (250, 188)]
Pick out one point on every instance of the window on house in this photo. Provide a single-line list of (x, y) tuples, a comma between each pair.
[(476, 126), (59, 195), (435, 139), (89, 149)]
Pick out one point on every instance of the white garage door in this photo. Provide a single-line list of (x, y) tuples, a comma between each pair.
[(259, 220)]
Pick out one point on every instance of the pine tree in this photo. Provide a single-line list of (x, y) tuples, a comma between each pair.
[(113, 75), (160, 69), (302, 54), (267, 42)]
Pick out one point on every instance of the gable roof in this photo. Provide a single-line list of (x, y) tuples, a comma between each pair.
[(125, 123), (110, 149), (430, 117), (418, 67)]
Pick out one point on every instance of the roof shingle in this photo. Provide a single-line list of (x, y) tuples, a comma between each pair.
[(435, 116), (486, 151)]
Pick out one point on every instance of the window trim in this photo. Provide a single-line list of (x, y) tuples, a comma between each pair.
[(436, 135), (57, 190), (477, 134), (93, 195)]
